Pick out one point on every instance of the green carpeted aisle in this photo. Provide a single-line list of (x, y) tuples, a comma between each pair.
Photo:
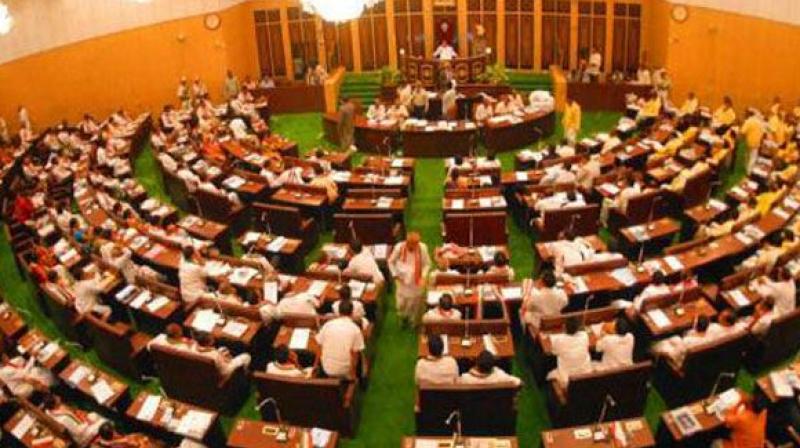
[(387, 405)]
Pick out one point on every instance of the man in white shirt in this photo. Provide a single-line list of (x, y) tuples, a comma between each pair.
[(283, 364), (436, 368), (192, 276), (781, 289), (409, 264), (588, 172), (449, 98), (87, 296), (676, 347), (443, 312), (376, 111), (542, 302), (341, 344), (485, 372), (558, 174), (23, 378), (484, 110), (302, 303), (617, 348), (595, 64), (445, 52), (572, 352), (560, 200), (657, 287), (363, 263), (226, 363)]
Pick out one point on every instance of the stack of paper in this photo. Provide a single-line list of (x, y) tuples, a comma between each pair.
[(624, 276), (241, 276), (739, 298), (317, 288), (488, 344), (299, 339), (234, 182), (102, 391), (194, 424), (157, 303), (659, 317), (234, 328), (205, 321), (277, 244), (148, 410), (457, 204)]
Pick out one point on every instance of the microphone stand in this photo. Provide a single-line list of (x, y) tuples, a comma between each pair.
[(466, 341), (709, 401), (639, 260), (282, 436), (599, 433), (679, 311), (650, 225), (586, 309), (265, 220), (457, 442)]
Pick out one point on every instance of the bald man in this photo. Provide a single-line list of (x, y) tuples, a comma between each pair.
[(409, 264)]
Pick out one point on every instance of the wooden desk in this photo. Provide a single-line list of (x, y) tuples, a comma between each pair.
[(679, 321), (604, 96), (419, 142), (485, 204), (657, 230), (204, 229), (144, 301), (294, 97), (284, 336), (36, 432), (472, 442), (222, 331), (545, 252), (707, 422), (168, 415), (94, 384), (637, 432), (299, 199), (258, 434), (369, 137), (384, 163), (49, 354), (765, 384), (508, 136), (263, 243), (503, 343), (462, 258), (706, 213), (739, 298), (11, 324), (395, 206)]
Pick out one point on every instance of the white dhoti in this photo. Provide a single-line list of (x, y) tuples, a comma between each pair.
[(409, 298)]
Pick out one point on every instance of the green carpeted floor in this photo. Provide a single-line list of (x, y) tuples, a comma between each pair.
[(386, 407)]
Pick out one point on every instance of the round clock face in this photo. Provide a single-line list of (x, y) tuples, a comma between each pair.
[(680, 13), (212, 21)]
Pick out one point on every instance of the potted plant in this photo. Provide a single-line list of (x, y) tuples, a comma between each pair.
[(495, 74), (390, 77)]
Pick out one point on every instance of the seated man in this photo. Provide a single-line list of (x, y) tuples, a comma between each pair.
[(285, 364), (542, 302), (108, 438), (341, 344), (87, 296), (82, 426), (747, 422), (23, 378), (558, 174), (676, 347), (485, 372), (443, 312), (501, 266), (781, 289), (225, 362), (616, 346), (363, 263), (192, 276), (763, 316), (436, 368), (359, 313), (572, 353), (173, 337), (301, 303), (562, 199)]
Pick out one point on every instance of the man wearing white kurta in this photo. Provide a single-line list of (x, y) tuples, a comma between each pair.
[(409, 264), (192, 277), (363, 263)]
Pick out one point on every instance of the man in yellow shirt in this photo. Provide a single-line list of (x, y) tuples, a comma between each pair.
[(571, 121), (765, 200), (689, 106), (724, 117), (753, 132), (777, 127), (649, 112)]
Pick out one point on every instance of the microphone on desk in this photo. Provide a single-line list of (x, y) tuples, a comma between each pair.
[(457, 440), (572, 220), (466, 341), (650, 225), (586, 309), (679, 311), (640, 259), (710, 399), (352, 226), (714, 184), (265, 220), (283, 434), (599, 433)]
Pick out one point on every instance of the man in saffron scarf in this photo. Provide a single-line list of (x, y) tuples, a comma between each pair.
[(409, 264)]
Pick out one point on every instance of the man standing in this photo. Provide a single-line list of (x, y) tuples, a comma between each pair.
[(409, 264), (347, 112), (231, 88), (571, 121)]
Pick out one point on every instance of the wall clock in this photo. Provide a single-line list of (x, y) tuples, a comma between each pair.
[(212, 21), (680, 13)]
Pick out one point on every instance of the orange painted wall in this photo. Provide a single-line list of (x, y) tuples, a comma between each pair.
[(137, 69), (716, 53)]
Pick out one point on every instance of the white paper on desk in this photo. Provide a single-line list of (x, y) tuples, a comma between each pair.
[(488, 344), (320, 437), (68, 255), (61, 246), (299, 339), (250, 238), (194, 424), (485, 202), (234, 182), (317, 287), (394, 180), (125, 292), (446, 343), (78, 375), (384, 202), (277, 244), (718, 205), (23, 426), (217, 268), (610, 189), (139, 241), (744, 239), (739, 298), (791, 203), (241, 276), (780, 385), (271, 292), (736, 191), (781, 213), (397, 163), (624, 276), (234, 328), (205, 320), (47, 351), (673, 263), (149, 408), (521, 176), (426, 443), (659, 317), (511, 292), (157, 303), (579, 285), (457, 204), (141, 299), (101, 391), (380, 251), (434, 296)]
